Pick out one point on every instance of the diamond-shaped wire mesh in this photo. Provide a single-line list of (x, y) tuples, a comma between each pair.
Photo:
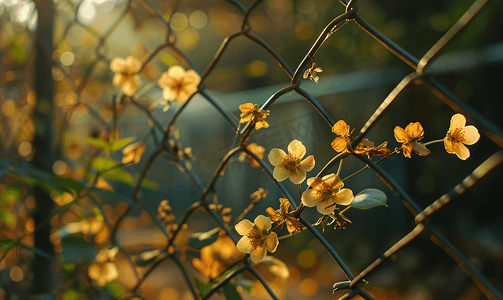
[(84, 95)]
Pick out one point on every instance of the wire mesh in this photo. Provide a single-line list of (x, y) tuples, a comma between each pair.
[(162, 135)]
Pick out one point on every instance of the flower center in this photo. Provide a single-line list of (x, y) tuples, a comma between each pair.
[(324, 192), (257, 237), (290, 162), (457, 135)]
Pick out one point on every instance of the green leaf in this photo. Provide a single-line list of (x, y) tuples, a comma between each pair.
[(149, 184), (196, 242), (148, 257), (369, 198), (76, 248), (99, 143), (70, 184), (74, 293), (5, 243), (8, 218), (118, 145), (11, 194), (202, 287), (114, 289), (230, 292), (104, 164)]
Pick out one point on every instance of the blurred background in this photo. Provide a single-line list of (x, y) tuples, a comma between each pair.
[(358, 74)]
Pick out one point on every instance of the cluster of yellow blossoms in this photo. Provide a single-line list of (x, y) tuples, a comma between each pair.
[(177, 84)]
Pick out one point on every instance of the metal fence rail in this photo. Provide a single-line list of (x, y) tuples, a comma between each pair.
[(162, 134)]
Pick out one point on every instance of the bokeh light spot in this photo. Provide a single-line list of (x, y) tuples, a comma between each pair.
[(304, 30), (179, 21), (24, 148), (59, 167), (169, 293), (307, 258), (9, 108), (305, 6), (30, 202), (198, 19), (256, 68), (67, 59), (16, 274), (188, 39), (308, 287)]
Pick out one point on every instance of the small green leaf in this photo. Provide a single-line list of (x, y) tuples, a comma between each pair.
[(118, 145), (202, 287), (99, 143), (230, 292), (5, 243), (196, 242), (149, 184), (70, 184), (114, 289), (369, 198), (148, 257), (103, 164), (76, 248)]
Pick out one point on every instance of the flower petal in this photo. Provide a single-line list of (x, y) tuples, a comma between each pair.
[(414, 129), (309, 198), (169, 94), (191, 78), (326, 207), (298, 176), (118, 79), (400, 135), (280, 173), (94, 271), (244, 245), (407, 149), (344, 197), (457, 121), (244, 227), (110, 271), (310, 181), (462, 152), (307, 164), (421, 149), (297, 148), (133, 65), (271, 241), (341, 128), (117, 65), (339, 144), (276, 156), (263, 222), (176, 72), (258, 254), (449, 146), (246, 108), (472, 135), (333, 180)]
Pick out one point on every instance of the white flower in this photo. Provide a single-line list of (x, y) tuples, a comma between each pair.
[(178, 84), (460, 134), (125, 74), (291, 165), (325, 193), (256, 239)]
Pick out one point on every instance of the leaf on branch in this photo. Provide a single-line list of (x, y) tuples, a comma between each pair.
[(102, 144), (369, 198), (230, 292), (199, 240), (118, 145), (202, 287), (70, 185), (148, 257)]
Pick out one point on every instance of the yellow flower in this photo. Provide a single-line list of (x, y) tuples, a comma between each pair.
[(368, 147), (217, 257), (460, 134), (291, 166), (410, 137), (253, 112), (257, 150), (178, 84), (311, 72), (132, 153), (343, 140), (103, 270), (282, 215), (325, 193), (125, 74), (256, 240)]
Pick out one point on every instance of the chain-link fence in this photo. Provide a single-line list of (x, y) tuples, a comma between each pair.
[(85, 104)]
